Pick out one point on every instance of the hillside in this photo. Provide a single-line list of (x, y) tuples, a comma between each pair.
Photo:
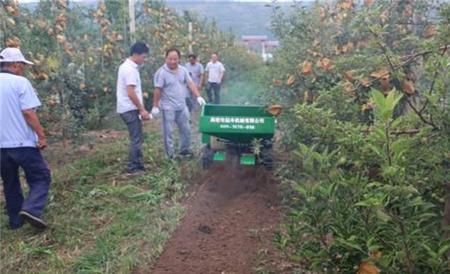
[(254, 18)]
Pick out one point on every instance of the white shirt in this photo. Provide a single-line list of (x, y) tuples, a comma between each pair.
[(16, 94), (215, 70), (128, 75)]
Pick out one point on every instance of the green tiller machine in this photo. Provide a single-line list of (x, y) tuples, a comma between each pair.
[(245, 131)]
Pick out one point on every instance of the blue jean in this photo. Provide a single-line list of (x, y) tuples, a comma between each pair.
[(134, 124), (181, 118), (38, 178), (213, 89)]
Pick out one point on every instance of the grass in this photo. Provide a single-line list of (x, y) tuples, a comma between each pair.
[(100, 220)]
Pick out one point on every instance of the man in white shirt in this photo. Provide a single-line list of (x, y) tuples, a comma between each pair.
[(215, 71), (130, 104), (21, 139)]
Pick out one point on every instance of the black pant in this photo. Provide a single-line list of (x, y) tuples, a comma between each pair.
[(134, 124), (213, 87), (38, 179), (191, 103)]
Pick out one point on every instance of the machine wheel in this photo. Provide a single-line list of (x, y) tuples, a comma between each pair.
[(266, 159), (207, 157)]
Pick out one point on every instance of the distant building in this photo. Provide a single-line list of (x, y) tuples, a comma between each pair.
[(253, 38), (260, 44)]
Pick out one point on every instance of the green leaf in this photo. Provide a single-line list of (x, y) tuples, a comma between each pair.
[(443, 250), (379, 100), (348, 244), (430, 251), (383, 216), (377, 150), (393, 98), (363, 204), (396, 122), (425, 216), (300, 189), (400, 146)]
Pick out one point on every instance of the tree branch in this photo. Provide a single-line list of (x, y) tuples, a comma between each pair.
[(408, 60), (421, 115), (436, 73)]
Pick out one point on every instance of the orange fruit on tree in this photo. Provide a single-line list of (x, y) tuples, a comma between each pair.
[(408, 87), (290, 80), (367, 267), (307, 67)]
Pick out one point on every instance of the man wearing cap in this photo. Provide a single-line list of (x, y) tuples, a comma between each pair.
[(130, 104), (169, 100), (21, 139)]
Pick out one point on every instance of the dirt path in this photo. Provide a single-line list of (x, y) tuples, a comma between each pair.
[(229, 224)]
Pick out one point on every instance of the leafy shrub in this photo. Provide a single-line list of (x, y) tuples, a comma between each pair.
[(368, 125)]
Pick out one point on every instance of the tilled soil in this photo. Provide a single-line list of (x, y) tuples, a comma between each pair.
[(229, 224)]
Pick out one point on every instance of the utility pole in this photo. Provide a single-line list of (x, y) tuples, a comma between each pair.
[(190, 37), (131, 10)]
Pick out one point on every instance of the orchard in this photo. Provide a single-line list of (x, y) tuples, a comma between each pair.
[(360, 181)]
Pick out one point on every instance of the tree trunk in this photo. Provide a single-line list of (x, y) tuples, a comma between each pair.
[(446, 219)]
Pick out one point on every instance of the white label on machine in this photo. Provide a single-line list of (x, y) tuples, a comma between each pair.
[(234, 120)]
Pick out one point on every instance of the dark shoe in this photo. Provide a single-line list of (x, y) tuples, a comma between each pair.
[(15, 226), (186, 153), (33, 220), (135, 172)]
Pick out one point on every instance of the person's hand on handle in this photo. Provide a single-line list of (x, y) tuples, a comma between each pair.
[(201, 101), (155, 112)]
